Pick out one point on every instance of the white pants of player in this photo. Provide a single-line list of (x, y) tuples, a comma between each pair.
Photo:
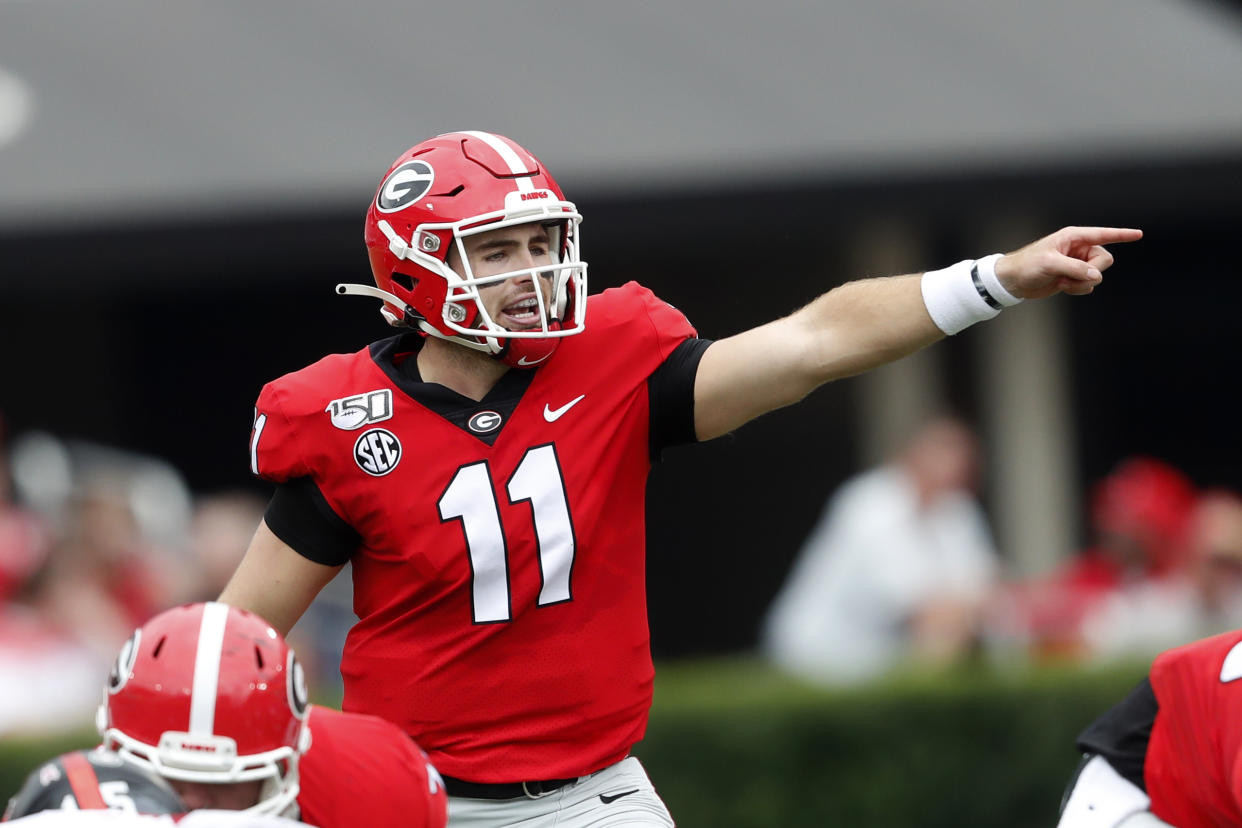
[(589, 803), (1103, 798)]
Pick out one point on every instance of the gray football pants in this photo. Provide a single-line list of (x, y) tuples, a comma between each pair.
[(618, 795)]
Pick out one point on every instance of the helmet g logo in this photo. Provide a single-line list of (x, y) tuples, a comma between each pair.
[(298, 695), (404, 186), (124, 664)]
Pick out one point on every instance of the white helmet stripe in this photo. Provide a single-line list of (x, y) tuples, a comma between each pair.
[(506, 153), (260, 420), (207, 668)]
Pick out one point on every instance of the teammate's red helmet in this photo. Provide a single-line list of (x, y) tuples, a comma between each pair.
[(442, 191), (210, 693)]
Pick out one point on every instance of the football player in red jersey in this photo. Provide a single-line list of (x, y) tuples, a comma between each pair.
[(1169, 753), (212, 699), (484, 470)]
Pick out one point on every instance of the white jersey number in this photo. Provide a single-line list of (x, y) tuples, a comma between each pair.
[(1231, 667), (471, 499)]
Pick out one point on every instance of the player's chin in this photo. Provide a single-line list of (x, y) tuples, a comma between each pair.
[(522, 327)]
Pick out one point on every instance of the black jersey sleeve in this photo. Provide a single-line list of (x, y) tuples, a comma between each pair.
[(1121, 735), (670, 389), (300, 516)]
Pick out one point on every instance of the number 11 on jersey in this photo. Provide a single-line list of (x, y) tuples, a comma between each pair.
[(471, 499)]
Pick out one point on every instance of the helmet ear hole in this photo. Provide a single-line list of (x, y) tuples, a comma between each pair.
[(403, 280)]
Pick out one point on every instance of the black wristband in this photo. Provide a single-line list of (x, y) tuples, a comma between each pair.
[(983, 291)]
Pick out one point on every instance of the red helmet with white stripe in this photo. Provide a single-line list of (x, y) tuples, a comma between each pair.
[(210, 693), (445, 190)]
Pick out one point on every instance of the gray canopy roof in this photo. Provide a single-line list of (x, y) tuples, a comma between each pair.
[(115, 110)]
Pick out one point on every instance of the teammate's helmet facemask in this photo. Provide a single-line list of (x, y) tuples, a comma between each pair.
[(481, 182)]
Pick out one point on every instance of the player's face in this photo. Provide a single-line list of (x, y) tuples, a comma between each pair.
[(234, 796), (511, 302)]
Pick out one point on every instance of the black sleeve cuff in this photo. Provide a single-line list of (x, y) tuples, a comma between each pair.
[(300, 516), (670, 390), (1121, 734)]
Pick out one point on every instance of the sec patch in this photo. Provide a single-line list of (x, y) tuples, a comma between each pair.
[(377, 451)]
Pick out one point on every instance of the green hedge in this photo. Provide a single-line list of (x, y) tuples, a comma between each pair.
[(732, 744)]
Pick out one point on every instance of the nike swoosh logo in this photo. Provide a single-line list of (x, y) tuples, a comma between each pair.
[(523, 361), (554, 414), (605, 798)]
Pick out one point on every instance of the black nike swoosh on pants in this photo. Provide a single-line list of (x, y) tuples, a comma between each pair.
[(605, 798)]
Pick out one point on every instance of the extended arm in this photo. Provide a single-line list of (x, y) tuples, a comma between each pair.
[(867, 323), (275, 582)]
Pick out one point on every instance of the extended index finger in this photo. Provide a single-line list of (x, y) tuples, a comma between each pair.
[(1103, 235)]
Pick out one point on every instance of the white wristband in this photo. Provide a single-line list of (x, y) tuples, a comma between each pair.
[(962, 294)]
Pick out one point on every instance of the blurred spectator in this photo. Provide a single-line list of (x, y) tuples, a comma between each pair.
[(51, 475), (121, 523), (49, 679), (24, 537), (105, 577), (111, 537), (899, 567), (112, 529), (1201, 596), (1140, 516), (1216, 560), (220, 531), (47, 676), (1130, 593)]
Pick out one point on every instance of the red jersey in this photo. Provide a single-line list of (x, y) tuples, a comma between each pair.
[(362, 770), (1193, 768), (500, 580)]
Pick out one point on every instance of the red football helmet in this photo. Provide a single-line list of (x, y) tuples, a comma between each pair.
[(441, 192), (210, 693)]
